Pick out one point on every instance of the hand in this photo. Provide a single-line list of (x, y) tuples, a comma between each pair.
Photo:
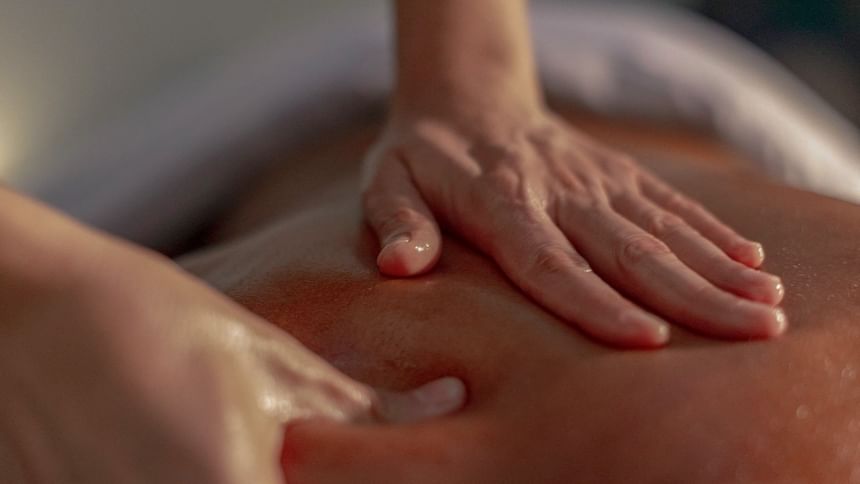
[(572, 223), (116, 367)]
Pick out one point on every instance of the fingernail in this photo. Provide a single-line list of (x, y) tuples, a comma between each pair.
[(779, 288), (781, 321), (759, 252), (661, 335), (658, 330), (762, 287), (396, 239), (444, 393)]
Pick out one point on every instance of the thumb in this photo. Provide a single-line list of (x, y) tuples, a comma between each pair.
[(323, 451), (407, 232), (434, 399), (328, 452)]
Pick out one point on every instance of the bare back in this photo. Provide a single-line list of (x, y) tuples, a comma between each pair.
[(547, 405)]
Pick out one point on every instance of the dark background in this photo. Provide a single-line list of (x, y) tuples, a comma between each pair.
[(818, 40)]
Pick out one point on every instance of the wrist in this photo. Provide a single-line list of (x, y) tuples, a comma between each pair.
[(488, 91), (495, 116), (469, 105), (457, 57)]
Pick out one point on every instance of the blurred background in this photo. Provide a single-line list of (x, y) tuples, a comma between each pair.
[(71, 67), (818, 40)]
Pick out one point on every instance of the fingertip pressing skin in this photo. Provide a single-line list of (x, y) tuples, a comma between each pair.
[(650, 332), (762, 322), (632, 331), (442, 396), (643, 331), (320, 450), (435, 399), (755, 285), (779, 289), (750, 254), (778, 324), (768, 323), (764, 288), (406, 255), (702, 255)]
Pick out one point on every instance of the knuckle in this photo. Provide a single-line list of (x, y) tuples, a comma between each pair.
[(588, 202), (550, 259), (663, 224), (620, 170), (639, 248), (399, 219), (580, 264), (621, 164), (504, 192), (502, 182), (571, 182), (619, 187), (676, 201)]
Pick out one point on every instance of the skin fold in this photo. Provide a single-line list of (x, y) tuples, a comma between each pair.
[(546, 403)]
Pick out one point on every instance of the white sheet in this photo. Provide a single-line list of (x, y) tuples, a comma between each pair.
[(152, 176)]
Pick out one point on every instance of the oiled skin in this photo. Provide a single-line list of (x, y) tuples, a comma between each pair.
[(546, 404)]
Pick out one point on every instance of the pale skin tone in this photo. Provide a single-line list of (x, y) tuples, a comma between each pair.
[(157, 378), (118, 367), (471, 147)]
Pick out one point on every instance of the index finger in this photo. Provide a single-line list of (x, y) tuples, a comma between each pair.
[(538, 258)]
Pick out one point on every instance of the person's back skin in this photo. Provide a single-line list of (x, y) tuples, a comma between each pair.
[(546, 404)]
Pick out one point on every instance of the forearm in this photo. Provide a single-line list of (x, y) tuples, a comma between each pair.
[(38, 243), (42, 249), (453, 52)]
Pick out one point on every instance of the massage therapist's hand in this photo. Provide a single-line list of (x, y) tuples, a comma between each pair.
[(116, 367), (571, 222), (469, 145)]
